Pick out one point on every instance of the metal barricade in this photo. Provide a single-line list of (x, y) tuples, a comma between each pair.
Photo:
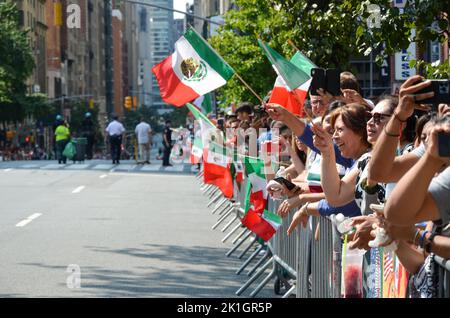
[(443, 277)]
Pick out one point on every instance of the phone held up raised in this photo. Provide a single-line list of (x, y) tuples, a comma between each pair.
[(328, 80), (441, 89), (444, 144)]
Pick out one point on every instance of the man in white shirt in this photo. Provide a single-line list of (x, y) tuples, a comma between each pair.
[(144, 135), (115, 131)]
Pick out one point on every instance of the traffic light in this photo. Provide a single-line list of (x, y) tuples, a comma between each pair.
[(91, 104), (128, 102)]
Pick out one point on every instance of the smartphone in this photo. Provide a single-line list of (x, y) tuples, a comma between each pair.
[(318, 81), (289, 185), (333, 81), (441, 89), (444, 144)]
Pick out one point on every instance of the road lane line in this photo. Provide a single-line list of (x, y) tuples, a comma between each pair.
[(79, 189), (8, 170), (28, 220), (103, 176)]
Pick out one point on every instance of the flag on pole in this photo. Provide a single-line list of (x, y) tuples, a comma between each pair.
[(201, 134), (254, 169), (193, 70), (293, 81), (216, 169), (261, 222), (204, 103), (264, 225)]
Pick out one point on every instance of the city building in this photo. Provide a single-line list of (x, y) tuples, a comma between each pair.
[(32, 15), (161, 41)]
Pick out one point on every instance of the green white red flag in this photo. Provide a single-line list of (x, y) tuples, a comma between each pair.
[(293, 81), (193, 70), (263, 223), (201, 134), (204, 103), (216, 169)]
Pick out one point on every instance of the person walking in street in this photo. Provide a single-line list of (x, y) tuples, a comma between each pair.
[(62, 137), (144, 136), (115, 131), (88, 132), (167, 143)]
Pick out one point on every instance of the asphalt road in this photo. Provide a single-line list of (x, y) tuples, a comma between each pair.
[(112, 234)]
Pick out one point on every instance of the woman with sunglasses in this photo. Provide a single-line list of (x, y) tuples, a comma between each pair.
[(354, 139)]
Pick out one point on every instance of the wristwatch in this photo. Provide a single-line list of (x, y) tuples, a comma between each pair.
[(429, 242)]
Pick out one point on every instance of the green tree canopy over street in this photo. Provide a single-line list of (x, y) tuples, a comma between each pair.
[(16, 63), (328, 32)]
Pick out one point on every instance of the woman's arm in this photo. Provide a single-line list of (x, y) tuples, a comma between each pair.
[(384, 166), (337, 192), (411, 258), (278, 113)]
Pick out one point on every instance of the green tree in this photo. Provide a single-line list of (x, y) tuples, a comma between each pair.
[(16, 63), (132, 118), (328, 32), (237, 43)]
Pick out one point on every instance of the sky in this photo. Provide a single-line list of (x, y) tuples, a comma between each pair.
[(180, 5)]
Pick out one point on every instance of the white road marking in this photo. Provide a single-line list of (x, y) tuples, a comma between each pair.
[(103, 176), (28, 220), (79, 189), (8, 170)]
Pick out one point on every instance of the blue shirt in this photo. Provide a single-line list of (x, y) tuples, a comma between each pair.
[(350, 209)]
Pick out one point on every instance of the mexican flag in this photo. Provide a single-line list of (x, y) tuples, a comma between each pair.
[(292, 83), (201, 134), (263, 224), (254, 169), (216, 169), (204, 103), (193, 70)]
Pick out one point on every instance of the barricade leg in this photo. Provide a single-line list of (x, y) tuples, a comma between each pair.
[(225, 208), (255, 277), (239, 235), (247, 248), (229, 223), (214, 199), (206, 188), (231, 232), (253, 269), (222, 218), (290, 291), (249, 260), (238, 244), (219, 204), (265, 281)]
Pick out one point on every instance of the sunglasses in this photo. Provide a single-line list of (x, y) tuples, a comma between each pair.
[(378, 117)]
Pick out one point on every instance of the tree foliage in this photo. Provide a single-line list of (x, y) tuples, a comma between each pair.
[(16, 63), (328, 32)]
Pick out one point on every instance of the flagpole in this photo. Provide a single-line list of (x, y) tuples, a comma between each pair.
[(249, 88)]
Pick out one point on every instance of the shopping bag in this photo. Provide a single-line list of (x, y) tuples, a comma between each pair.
[(70, 151)]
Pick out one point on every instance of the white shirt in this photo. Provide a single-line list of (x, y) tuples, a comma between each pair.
[(115, 128), (142, 132)]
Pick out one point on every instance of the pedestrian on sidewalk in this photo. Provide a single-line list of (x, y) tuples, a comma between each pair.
[(62, 137), (144, 136), (115, 132), (167, 143)]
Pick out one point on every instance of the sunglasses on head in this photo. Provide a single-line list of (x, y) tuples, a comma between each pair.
[(377, 117)]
